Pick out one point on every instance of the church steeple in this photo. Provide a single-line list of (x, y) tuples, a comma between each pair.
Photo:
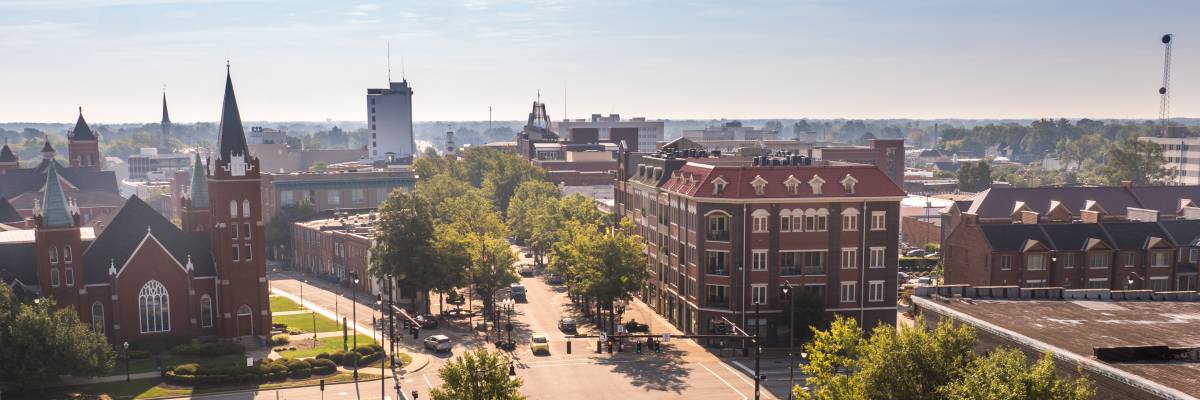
[(166, 125), (55, 211), (81, 132), (8, 159), (47, 150), (198, 192), (83, 148), (232, 139)]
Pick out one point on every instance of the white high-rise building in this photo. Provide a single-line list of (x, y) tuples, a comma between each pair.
[(389, 117)]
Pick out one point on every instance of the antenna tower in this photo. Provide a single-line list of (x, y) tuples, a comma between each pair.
[(1164, 103)]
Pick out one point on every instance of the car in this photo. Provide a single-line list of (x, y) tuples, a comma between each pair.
[(438, 343), (567, 325), (633, 326), (554, 279), (539, 343), (528, 255), (903, 277), (915, 253), (517, 292), (526, 271), (924, 281), (426, 321)]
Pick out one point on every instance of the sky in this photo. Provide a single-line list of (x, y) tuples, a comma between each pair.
[(296, 60)]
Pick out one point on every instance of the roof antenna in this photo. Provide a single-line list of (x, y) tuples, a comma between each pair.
[(227, 65), (389, 60), (402, 78)]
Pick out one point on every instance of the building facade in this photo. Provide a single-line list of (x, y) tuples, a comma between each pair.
[(637, 134), (389, 118), (365, 188), (332, 245), (723, 233), (1183, 158), (148, 164)]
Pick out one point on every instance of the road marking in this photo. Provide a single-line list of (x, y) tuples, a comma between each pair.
[(427, 382), (723, 381), (739, 375), (748, 372)]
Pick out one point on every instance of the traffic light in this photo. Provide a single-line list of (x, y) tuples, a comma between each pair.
[(416, 333), (638, 348), (407, 325)]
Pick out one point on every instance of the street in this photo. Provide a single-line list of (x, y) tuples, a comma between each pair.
[(683, 370)]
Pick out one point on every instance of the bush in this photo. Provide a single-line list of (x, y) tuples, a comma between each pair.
[(279, 340), (323, 366), (337, 357), (293, 365), (278, 325), (187, 369), (158, 344), (208, 349), (323, 356)]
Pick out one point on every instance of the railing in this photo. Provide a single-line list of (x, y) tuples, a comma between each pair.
[(718, 235), (717, 302), (789, 270), (722, 271), (814, 269)]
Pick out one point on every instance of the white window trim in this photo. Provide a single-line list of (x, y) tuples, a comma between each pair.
[(871, 294), (154, 308), (847, 297), (882, 257), (754, 254), (882, 217), (851, 263), (754, 289)]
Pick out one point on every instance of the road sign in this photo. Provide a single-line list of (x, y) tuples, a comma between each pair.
[(621, 329), (249, 361), (666, 337), (603, 336)]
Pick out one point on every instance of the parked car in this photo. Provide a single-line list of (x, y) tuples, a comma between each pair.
[(438, 343), (554, 279), (567, 325), (426, 321), (915, 253), (924, 281), (526, 270), (539, 343), (528, 255), (633, 327), (516, 291)]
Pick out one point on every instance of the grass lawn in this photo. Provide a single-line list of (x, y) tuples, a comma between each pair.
[(326, 345), (280, 303), (148, 388), (304, 322), (171, 360)]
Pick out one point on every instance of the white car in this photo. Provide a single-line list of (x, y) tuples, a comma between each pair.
[(924, 281), (438, 343)]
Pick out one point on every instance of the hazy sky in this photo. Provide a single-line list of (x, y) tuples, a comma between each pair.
[(313, 60)]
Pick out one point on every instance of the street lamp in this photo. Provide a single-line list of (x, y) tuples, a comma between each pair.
[(786, 290), (354, 318), (126, 347), (1129, 279), (302, 282)]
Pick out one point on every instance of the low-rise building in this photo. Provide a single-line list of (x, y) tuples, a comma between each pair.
[(636, 134), (356, 188), (333, 244), (733, 130), (148, 164), (724, 232)]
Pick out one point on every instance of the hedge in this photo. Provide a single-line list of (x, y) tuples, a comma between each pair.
[(323, 366), (209, 349), (279, 340), (261, 372)]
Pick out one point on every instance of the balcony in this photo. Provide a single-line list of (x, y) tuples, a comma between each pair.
[(722, 235), (789, 270), (718, 270), (814, 269), (717, 302)]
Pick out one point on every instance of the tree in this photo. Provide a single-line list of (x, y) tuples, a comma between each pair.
[(1003, 375), (929, 359), (1137, 161), (403, 246), (492, 269), (973, 177), (611, 265), (808, 309), (831, 354), (40, 342), (477, 374), (530, 199)]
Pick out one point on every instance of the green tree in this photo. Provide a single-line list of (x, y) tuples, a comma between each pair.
[(530, 199), (1133, 160), (1003, 375), (40, 342), (477, 374), (403, 246), (492, 269), (610, 265), (832, 356), (808, 309), (929, 359), (973, 177)]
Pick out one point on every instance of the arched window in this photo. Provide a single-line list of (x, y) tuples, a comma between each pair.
[(233, 209), (67, 254), (246, 208), (98, 317), (205, 311), (154, 308)]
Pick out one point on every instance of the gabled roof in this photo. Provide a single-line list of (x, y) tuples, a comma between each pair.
[(82, 131), (873, 182), (8, 214), (1074, 237), (1133, 235), (129, 226), (231, 138), (1011, 238), (18, 261), (998, 202), (6, 154), (1183, 232), (1165, 199), (16, 182)]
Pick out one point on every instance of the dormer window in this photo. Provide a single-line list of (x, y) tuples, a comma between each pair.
[(816, 182), (759, 184), (719, 186), (793, 184), (848, 183)]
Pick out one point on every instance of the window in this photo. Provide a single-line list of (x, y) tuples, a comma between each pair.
[(206, 312), (54, 277), (286, 197), (334, 197), (1035, 283), (759, 185), (233, 231), (760, 220), (878, 259), (822, 220), (1194, 254), (717, 295), (247, 253), (788, 263), (233, 209), (67, 254), (716, 263), (875, 291), (1160, 283), (793, 184), (246, 208), (850, 220), (1005, 262), (53, 255), (1159, 258), (246, 231), (814, 262), (849, 258), (816, 183), (1035, 262), (717, 227), (719, 186), (785, 220), (154, 310), (1097, 283), (358, 196), (1098, 260), (759, 260), (236, 256), (1186, 282), (1130, 259), (758, 294), (1068, 261), (848, 183), (98, 317), (848, 292), (69, 273), (878, 220)]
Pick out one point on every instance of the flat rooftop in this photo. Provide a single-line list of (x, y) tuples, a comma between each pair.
[(1076, 326)]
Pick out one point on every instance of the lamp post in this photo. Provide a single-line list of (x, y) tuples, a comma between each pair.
[(786, 290), (302, 282), (126, 347), (354, 318), (1129, 279)]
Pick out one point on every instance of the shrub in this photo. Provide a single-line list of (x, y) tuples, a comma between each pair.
[(208, 349), (293, 365), (337, 357), (323, 356), (277, 325), (187, 369), (302, 373), (280, 339), (323, 366)]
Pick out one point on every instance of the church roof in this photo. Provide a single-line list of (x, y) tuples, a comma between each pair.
[(166, 118), (129, 226), (56, 212), (198, 192), (46, 148), (6, 154), (18, 261), (24, 180), (232, 139), (82, 131), (8, 214)]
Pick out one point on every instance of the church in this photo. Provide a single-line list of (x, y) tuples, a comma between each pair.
[(143, 278)]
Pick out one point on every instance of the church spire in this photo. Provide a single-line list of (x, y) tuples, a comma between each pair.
[(166, 123), (198, 192), (55, 210), (82, 131), (232, 139), (6, 153)]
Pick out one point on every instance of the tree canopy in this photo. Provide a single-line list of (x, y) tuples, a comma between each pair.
[(40, 342), (477, 374)]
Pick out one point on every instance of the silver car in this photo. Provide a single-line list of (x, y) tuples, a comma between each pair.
[(438, 343)]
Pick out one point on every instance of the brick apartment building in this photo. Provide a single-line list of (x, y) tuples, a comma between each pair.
[(725, 232), (333, 244), (1119, 238)]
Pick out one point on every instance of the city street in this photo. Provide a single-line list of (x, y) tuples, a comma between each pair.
[(683, 370)]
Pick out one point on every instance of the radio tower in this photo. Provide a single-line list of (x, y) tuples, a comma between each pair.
[(1164, 104)]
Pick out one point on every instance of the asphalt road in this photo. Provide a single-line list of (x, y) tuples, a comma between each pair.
[(683, 370)]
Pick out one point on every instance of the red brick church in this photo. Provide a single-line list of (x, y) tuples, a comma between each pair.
[(143, 278)]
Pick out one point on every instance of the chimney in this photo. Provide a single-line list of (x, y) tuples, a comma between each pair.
[(1029, 217), (1127, 184), (1089, 217), (1141, 214)]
